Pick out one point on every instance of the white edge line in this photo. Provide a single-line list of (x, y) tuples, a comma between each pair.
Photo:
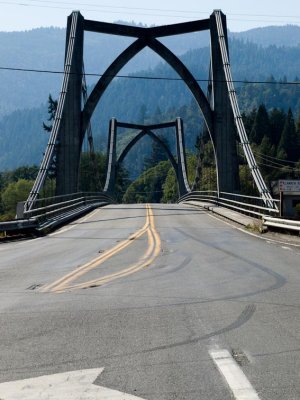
[(253, 234), (233, 374), (245, 231)]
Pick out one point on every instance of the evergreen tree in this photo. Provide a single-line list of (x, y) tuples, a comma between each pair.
[(158, 153), (261, 125), (52, 107), (89, 179), (277, 119), (148, 187), (142, 114), (158, 115), (267, 149), (249, 119), (289, 145)]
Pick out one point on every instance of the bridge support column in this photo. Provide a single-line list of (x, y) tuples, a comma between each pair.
[(69, 138), (111, 157), (183, 184), (224, 131)]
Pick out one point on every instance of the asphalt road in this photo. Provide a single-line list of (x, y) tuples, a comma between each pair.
[(150, 294)]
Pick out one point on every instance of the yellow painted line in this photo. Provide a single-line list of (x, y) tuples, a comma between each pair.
[(96, 261), (144, 261), (153, 250), (155, 233)]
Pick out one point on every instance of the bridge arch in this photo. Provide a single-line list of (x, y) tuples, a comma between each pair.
[(137, 138), (220, 109), (125, 57), (113, 162)]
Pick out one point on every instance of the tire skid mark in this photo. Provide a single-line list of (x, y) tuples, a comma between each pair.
[(153, 250)]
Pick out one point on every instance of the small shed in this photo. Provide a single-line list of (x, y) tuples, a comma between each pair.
[(289, 194)]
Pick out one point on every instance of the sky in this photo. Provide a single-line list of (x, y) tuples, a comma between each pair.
[(19, 15)]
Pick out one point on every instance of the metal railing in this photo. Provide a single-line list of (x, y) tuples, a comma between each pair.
[(52, 206), (290, 224), (53, 211), (249, 205)]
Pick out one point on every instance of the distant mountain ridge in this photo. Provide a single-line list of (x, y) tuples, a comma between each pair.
[(287, 35), (43, 49), (23, 97)]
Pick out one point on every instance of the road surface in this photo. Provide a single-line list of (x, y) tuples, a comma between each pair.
[(166, 300)]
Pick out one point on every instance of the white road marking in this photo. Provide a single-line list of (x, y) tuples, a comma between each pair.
[(251, 233), (234, 376), (73, 385), (286, 248)]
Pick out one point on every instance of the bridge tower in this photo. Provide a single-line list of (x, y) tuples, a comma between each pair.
[(113, 162), (224, 134), (219, 108), (69, 140)]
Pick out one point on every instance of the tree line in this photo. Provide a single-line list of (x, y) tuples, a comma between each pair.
[(275, 140)]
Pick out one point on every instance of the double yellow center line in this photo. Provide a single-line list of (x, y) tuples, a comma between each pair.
[(153, 250)]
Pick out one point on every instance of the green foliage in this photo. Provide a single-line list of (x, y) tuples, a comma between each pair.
[(277, 120), (170, 188), (10, 178), (148, 187), (247, 183), (289, 144), (92, 172), (121, 182), (158, 183), (278, 153), (52, 107), (206, 174), (261, 125), (158, 153), (25, 172), (13, 193), (159, 98)]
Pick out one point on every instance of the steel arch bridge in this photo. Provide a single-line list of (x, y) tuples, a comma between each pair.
[(113, 163), (219, 108)]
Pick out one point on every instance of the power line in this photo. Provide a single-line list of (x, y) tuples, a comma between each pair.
[(274, 158), (103, 8), (274, 166), (290, 169), (167, 10), (272, 163), (144, 77)]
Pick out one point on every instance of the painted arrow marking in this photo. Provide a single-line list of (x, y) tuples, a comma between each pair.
[(73, 385)]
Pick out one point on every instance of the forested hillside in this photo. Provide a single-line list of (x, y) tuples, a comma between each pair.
[(133, 99), (287, 35), (44, 49)]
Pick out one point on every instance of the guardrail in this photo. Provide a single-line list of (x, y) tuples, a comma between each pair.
[(248, 205), (281, 223), (49, 212)]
